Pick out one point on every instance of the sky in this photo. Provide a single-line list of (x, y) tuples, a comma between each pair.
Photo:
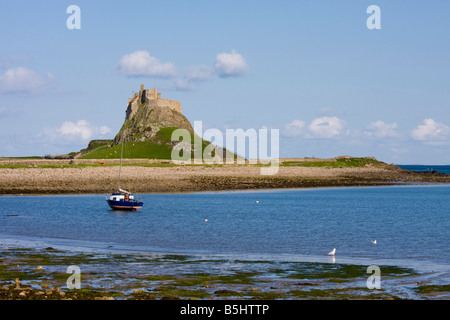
[(314, 70)]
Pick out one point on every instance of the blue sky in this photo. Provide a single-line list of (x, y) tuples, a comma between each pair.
[(311, 69)]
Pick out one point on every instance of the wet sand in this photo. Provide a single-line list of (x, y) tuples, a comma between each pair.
[(151, 179)]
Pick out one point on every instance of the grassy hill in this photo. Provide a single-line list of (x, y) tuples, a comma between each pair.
[(159, 147)]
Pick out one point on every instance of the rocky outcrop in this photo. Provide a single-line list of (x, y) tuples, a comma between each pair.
[(148, 118)]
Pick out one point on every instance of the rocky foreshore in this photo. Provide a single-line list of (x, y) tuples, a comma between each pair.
[(41, 274), (150, 179)]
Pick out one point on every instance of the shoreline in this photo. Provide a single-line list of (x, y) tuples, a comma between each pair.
[(202, 178), (40, 274), (393, 184), (77, 246)]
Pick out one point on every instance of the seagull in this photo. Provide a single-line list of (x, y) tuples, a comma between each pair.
[(332, 252), (374, 241)]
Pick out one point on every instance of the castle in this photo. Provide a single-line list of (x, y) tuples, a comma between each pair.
[(151, 96)]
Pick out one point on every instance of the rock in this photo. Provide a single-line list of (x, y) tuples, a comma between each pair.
[(147, 115), (18, 283), (138, 291), (22, 294), (103, 298), (58, 291)]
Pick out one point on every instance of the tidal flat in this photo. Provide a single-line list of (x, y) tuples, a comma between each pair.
[(42, 274), (60, 177)]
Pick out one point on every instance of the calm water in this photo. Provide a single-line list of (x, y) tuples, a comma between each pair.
[(421, 168), (410, 223)]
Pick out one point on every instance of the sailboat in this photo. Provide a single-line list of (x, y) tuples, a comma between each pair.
[(122, 199)]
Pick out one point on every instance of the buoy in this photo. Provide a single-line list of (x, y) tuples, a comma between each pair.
[(257, 201), (206, 220)]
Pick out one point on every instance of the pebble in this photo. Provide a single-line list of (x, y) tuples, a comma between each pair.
[(103, 298), (138, 291)]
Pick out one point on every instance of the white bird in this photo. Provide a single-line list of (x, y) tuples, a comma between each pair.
[(332, 252), (374, 241)]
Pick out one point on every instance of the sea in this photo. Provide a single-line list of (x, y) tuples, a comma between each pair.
[(409, 223), (427, 168)]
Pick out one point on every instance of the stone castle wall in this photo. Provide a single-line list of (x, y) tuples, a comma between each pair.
[(146, 95), (171, 104), (133, 105)]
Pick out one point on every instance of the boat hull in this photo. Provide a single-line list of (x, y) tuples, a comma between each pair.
[(125, 205)]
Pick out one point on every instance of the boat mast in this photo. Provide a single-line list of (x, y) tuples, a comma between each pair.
[(120, 165)]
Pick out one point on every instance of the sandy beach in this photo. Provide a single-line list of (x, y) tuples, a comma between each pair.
[(150, 179)]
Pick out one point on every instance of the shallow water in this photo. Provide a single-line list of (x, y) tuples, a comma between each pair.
[(427, 168), (410, 224)]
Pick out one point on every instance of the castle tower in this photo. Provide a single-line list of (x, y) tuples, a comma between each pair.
[(151, 96)]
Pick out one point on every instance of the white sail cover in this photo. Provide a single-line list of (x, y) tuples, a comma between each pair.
[(123, 191)]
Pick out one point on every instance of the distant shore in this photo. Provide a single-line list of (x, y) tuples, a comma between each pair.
[(147, 178)]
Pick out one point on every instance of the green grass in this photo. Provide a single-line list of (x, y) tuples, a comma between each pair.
[(142, 150), (20, 158), (93, 145), (160, 147), (85, 165), (433, 288), (338, 163)]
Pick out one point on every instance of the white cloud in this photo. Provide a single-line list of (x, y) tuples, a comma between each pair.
[(380, 129), (294, 128), (193, 75), (23, 80), (141, 63), (230, 64), (184, 85), (74, 131), (81, 129), (199, 73), (326, 127), (431, 132), (104, 130)]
